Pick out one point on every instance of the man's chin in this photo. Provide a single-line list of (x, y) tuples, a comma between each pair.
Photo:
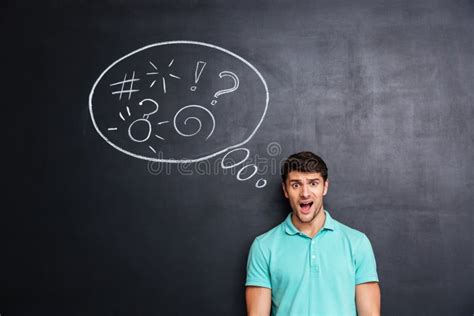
[(305, 218)]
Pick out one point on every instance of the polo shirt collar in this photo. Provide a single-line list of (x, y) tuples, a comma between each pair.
[(290, 229)]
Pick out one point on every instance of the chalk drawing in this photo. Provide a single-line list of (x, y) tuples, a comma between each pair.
[(197, 73), (122, 83), (261, 183), (232, 165), (152, 73), (163, 79), (188, 121), (161, 123), (255, 170), (194, 119), (224, 91), (227, 165), (144, 119), (154, 67)]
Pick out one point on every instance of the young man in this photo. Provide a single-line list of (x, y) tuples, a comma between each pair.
[(311, 264)]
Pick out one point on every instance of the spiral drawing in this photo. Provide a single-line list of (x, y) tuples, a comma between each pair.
[(197, 124)]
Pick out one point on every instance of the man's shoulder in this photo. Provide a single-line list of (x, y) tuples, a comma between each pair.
[(271, 235), (352, 234)]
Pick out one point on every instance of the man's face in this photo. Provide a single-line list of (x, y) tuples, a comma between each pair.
[(305, 192)]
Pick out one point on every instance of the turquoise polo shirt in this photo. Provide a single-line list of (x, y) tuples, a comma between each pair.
[(311, 276)]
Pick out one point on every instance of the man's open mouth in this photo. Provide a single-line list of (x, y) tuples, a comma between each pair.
[(306, 206)]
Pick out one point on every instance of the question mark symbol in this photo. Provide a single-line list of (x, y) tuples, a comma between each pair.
[(143, 120), (224, 91)]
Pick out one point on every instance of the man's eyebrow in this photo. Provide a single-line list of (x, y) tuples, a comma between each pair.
[(309, 180)]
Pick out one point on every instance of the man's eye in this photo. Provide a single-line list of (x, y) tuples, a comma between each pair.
[(294, 185), (314, 184)]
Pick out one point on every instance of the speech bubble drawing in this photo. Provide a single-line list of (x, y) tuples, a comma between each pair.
[(142, 104)]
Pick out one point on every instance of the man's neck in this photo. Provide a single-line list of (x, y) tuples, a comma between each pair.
[(313, 227)]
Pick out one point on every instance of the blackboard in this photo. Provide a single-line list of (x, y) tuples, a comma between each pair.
[(382, 90)]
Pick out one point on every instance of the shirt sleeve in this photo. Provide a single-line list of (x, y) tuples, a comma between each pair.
[(257, 267), (366, 267)]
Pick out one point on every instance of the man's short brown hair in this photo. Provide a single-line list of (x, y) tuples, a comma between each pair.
[(304, 161)]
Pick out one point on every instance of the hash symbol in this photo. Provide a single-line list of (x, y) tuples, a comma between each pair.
[(122, 83)]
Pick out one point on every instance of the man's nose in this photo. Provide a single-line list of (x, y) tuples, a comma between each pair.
[(304, 191)]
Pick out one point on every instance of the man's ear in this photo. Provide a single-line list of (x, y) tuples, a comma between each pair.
[(284, 189), (326, 187)]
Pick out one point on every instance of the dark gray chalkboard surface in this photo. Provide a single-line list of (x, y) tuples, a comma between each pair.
[(382, 90)]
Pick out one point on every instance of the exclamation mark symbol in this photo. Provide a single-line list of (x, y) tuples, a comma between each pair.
[(197, 74)]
